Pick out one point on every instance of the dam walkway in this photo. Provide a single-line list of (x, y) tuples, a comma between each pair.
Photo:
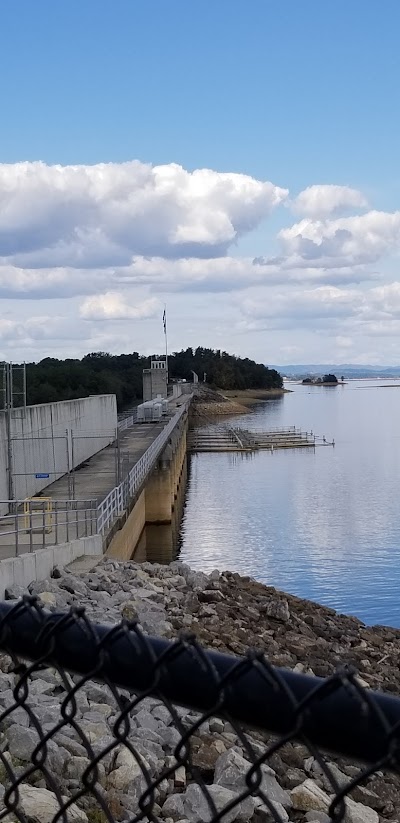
[(89, 499)]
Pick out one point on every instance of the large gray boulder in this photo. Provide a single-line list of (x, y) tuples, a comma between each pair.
[(128, 774), (41, 806), (358, 813), (198, 809), (309, 797), (21, 742), (174, 807), (231, 770)]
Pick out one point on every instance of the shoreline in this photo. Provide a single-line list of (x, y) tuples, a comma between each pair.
[(249, 397), (216, 402)]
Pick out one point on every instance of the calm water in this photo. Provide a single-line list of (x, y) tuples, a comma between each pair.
[(321, 524)]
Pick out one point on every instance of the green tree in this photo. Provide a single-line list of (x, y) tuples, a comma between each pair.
[(103, 373)]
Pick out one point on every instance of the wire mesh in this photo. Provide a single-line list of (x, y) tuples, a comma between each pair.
[(106, 724)]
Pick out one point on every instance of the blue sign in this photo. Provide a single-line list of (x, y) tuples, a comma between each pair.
[(41, 476)]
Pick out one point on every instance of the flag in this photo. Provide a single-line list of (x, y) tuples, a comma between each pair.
[(164, 319)]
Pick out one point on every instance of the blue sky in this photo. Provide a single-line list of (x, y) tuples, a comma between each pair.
[(301, 94)]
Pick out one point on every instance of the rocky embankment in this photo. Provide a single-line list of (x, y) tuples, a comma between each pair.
[(207, 402), (228, 613)]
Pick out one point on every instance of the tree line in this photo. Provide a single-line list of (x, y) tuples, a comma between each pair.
[(52, 380), (223, 370), (327, 378)]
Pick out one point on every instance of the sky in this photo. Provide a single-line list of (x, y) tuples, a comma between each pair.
[(236, 161)]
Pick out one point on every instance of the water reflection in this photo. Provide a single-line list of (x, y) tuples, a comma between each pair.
[(159, 544), (321, 523)]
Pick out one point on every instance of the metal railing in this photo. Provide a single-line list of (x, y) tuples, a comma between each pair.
[(137, 755), (37, 522), (127, 422), (118, 498)]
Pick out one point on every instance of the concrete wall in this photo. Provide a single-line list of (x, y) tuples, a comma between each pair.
[(28, 568), (186, 388), (154, 384), (40, 443), (181, 388), (147, 386), (125, 540)]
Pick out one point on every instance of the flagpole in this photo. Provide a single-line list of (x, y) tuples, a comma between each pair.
[(166, 341)]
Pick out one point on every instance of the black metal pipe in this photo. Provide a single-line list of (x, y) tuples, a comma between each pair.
[(338, 719)]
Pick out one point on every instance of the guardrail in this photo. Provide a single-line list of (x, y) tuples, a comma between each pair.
[(37, 522), (118, 498), (127, 422)]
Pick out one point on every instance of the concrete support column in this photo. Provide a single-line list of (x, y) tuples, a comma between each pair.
[(158, 490), (175, 471), (183, 448)]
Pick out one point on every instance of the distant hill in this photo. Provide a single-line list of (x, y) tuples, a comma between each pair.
[(346, 370)]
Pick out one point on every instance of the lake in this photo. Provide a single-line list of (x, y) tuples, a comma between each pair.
[(321, 523)]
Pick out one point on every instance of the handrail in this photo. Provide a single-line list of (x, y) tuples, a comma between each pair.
[(118, 498), (34, 524), (127, 422)]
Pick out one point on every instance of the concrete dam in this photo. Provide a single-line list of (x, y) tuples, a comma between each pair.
[(87, 483)]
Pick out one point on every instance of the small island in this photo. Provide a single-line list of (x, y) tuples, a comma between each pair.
[(326, 380)]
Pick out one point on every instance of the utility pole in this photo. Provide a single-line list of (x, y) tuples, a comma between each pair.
[(9, 392), (8, 411)]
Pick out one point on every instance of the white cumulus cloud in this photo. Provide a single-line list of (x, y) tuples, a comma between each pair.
[(114, 306), (323, 200), (109, 243), (105, 213), (346, 241)]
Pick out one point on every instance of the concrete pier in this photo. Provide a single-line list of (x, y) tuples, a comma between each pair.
[(159, 491)]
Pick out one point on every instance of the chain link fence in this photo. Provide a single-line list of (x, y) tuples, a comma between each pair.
[(103, 723)]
